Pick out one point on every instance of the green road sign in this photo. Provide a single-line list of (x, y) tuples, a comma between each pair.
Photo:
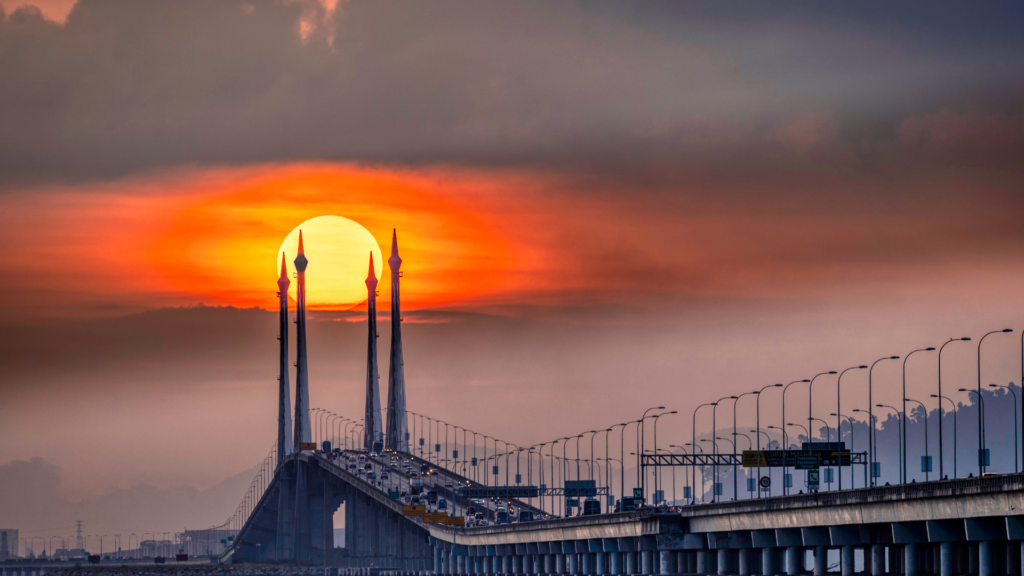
[(638, 492), (807, 462), (393, 494)]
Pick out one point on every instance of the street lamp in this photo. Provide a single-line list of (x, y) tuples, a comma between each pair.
[(901, 420), (840, 435), (982, 460), (785, 437), (941, 468), (657, 469), (810, 397), (903, 429), (981, 416), (693, 468), (925, 469), (839, 421), (640, 442), (941, 398), (871, 429), (758, 425), (1014, 434)]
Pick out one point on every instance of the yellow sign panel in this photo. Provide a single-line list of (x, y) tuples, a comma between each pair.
[(436, 518), (750, 458), (455, 521), (414, 510), (307, 446)]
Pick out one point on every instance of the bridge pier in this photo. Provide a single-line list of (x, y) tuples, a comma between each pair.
[(768, 561), (549, 564), (560, 562)]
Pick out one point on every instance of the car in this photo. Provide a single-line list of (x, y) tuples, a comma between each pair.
[(448, 484), (383, 475), (525, 516), (480, 519), (442, 504), (415, 484), (471, 511)]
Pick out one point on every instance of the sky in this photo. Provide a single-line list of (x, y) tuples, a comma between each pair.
[(601, 207)]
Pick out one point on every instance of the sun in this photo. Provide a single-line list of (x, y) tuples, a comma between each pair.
[(338, 250)]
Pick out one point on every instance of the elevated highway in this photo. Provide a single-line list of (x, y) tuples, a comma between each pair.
[(950, 527)]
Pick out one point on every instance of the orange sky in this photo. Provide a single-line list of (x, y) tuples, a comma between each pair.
[(475, 238)]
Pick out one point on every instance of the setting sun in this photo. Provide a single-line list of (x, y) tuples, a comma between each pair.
[(338, 250)]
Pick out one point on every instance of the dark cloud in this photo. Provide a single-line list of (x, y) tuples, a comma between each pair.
[(124, 86)]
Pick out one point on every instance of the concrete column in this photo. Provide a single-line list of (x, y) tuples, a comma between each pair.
[(647, 562), (972, 558), (682, 558), (702, 562), (559, 563), (910, 559), (768, 561), (846, 562), (946, 565), (588, 563), (615, 563), (517, 564), (665, 562), (877, 560), (820, 560), (630, 563), (744, 561), (985, 558), (460, 565), (574, 563), (549, 564), (437, 559), (506, 564), (793, 566), (723, 561), (600, 563)]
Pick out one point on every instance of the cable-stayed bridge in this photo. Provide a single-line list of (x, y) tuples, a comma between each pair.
[(323, 462)]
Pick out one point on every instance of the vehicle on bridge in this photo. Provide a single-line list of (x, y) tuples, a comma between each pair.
[(442, 504), (501, 516), (415, 484), (525, 516)]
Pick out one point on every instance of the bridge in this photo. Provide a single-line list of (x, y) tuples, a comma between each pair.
[(945, 527)]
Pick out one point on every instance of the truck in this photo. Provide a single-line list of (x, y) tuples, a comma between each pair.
[(415, 484)]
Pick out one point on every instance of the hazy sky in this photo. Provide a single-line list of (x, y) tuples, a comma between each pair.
[(601, 206)]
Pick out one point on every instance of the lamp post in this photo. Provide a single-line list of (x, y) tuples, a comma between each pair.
[(927, 476), (903, 429), (785, 437), (941, 468), (657, 469), (693, 468), (839, 421), (714, 445), (981, 415), (640, 439), (871, 429), (901, 419), (758, 426), (941, 398), (839, 433), (735, 494), (1014, 434), (981, 423), (810, 398), (735, 466)]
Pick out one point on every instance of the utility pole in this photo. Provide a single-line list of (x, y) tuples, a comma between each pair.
[(78, 535)]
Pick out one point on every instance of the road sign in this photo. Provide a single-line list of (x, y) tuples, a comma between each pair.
[(498, 492), (435, 518), (455, 454), (473, 461), (765, 482), (659, 496), (307, 445), (778, 458), (581, 488), (926, 463), (543, 489), (813, 479), (807, 462), (519, 479), (638, 492), (414, 510), (372, 475), (455, 521), (393, 494), (751, 484), (572, 502)]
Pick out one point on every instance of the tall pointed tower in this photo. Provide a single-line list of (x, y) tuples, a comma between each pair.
[(302, 428), (374, 429), (285, 445), (396, 439)]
